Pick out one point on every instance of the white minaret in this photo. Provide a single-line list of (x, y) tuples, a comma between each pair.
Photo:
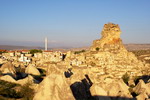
[(46, 43)]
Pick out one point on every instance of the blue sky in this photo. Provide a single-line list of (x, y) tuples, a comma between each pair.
[(71, 23)]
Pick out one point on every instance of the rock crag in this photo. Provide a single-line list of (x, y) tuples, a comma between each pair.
[(105, 72), (110, 39)]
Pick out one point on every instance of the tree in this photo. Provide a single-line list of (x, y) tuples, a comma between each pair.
[(97, 49), (77, 52), (32, 51)]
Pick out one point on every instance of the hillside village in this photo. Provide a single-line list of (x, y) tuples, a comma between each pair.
[(107, 71)]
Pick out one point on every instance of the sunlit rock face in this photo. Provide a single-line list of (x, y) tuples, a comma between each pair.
[(110, 39), (109, 53), (54, 87), (8, 68)]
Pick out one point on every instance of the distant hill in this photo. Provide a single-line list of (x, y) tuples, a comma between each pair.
[(128, 47), (12, 47), (137, 46)]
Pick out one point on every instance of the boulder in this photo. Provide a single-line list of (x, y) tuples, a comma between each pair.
[(8, 78), (97, 90), (142, 96), (8, 68), (98, 93), (141, 87), (31, 69), (54, 87), (118, 88)]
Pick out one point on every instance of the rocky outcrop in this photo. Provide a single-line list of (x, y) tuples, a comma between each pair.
[(142, 96), (118, 88), (96, 74), (54, 87), (142, 90), (113, 88), (8, 78), (98, 91), (31, 69), (110, 39), (110, 55), (8, 68)]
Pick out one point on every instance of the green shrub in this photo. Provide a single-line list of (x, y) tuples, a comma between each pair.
[(8, 91), (77, 52), (97, 49), (126, 78), (3, 52), (32, 51)]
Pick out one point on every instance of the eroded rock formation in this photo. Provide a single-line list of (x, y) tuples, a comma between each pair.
[(110, 39), (105, 72)]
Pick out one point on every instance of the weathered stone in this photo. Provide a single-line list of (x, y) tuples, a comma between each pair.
[(96, 90), (110, 38), (142, 96), (118, 88), (141, 87), (54, 87), (131, 83), (8, 68), (31, 69), (93, 74), (8, 78)]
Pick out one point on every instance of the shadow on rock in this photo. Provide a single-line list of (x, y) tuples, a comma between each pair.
[(145, 78), (81, 91), (68, 73)]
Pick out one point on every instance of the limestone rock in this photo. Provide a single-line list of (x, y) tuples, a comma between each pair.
[(8, 78), (2, 61), (8, 68), (97, 90), (142, 96), (52, 68), (110, 38), (98, 93), (31, 69), (141, 87), (148, 85), (54, 87), (118, 88)]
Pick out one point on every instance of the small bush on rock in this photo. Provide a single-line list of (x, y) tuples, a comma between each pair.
[(126, 78)]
